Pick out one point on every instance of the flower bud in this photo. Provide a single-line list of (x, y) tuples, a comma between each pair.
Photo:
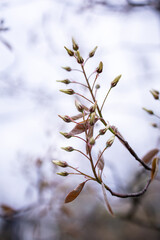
[(79, 58), (155, 94), (97, 86), (70, 52), (66, 135), (79, 106), (66, 81), (92, 141), (91, 54), (93, 107), (92, 118), (148, 111), (154, 125), (74, 45), (64, 174), (103, 131), (67, 91), (100, 68), (65, 118), (110, 141), (68, 69), (68, 149), (60, 163), (115, 81)]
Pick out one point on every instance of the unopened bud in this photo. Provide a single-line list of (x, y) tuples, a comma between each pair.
[(68, 69), (91, 54), (66, 135), (93, 108), (92, 118), (100, 67), (79, 106), (97, 86), (67, 91), (154, 125), (92, 141), (64, 174), (110, 141), (79, 58), (66, 81), (60, 163), (74, 45), (103, 131), (70, 52), (148, 111), (65, 118), (115, 81), (155, 94), (68, 149)]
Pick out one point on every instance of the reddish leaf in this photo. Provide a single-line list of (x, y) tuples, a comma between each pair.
[(154, 167), (148, 156), (79, 128), (100, 164), (78, 116), (74, 194), (106, 200)]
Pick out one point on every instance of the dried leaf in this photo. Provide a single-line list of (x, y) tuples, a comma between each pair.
[(100, 164), (106, 200), (79, 128), (74, 194), (148, 156), (154, 167), (8, 211)]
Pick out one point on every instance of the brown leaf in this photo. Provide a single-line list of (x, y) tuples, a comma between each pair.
[(79, 128), (78, 116), (8, 211), (106, 200), (100, 164), (74, 194), (149, 155), (154, 167)]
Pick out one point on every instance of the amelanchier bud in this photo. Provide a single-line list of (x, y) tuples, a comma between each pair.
[(92, 141), (68, 149), (67, 91), (60, 163), (79, 58), (93, 108), (70, 52), (64, 174), (100, 68), (68, 69), (66, 135), (92, 118), (97, 86), (148, 111), (74, 45), (66, 81), (155, 94), (91, 54), (115, 81), (110, 141), (65, 118), (103, 131), (79, 106)]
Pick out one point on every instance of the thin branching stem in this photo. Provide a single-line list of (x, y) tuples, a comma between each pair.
[(100, 156), (84, 97), (79, 84), (95, 81), (82, 153), (105, 98), (84, 174)]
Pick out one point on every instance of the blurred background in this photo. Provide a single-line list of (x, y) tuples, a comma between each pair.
[(33, 34)]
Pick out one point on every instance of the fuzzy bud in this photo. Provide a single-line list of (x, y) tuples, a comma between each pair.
[(110, 141), (64, 174), (67, 91), (100, 68), (68, 69), (92, 141), (66, 135), (66, 81), (91, 54), (102, 131), (65, 118), (79, 58), (155, 94), (93, 108), (68, 149), (70, 52), (97, 86), (148, 111), (92, 118), (79, 106), (74, 45), (60, 163), (115, 81)]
